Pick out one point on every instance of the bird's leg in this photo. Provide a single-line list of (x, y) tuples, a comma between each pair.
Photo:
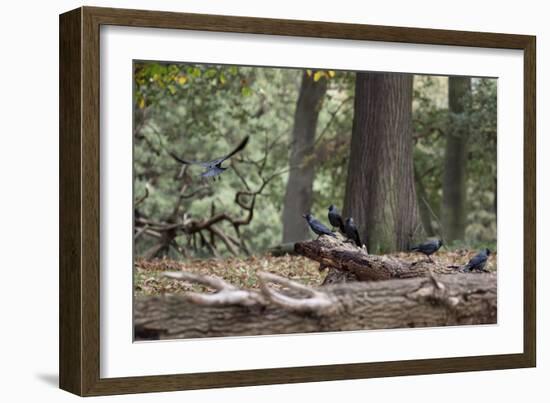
[(430, 259)]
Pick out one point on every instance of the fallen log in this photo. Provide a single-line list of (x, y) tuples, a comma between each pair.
[(336, 254), (463, 299)]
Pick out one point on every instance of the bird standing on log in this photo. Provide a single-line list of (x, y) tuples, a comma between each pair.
[(479, 261), (428, 248), (213, 167), (335, 218), (317, 227), (351, 231)]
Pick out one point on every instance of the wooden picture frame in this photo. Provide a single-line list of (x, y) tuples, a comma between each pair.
[(79, 201)]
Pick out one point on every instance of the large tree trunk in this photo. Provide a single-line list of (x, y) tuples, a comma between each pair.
[(453, 209), (463, 299), (380, 191), (299, 189)]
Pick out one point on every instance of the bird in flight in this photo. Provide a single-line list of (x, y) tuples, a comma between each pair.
[(351, 231), (428, 248), (335, 218), (478, 261), (317, 227), (214, 167)]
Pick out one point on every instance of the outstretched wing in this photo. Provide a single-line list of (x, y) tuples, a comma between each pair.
[(240, 147), (181, 160), (213, 163)]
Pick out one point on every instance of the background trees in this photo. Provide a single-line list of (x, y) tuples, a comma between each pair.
[(302, 144)]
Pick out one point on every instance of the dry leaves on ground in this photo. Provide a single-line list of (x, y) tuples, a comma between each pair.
[(241, 272)]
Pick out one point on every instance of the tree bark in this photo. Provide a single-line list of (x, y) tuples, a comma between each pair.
[(423, 207), (453, 209), (380, 191), (333, 253), (299, 189), (463, 299)]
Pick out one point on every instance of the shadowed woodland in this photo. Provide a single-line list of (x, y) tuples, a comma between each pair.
[(223, 248)]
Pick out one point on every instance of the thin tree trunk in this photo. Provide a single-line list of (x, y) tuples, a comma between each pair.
[(380, 191), (299, 190), (463, 299), (453, 209), (423, 207)]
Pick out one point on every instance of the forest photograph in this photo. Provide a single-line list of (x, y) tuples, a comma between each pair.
[(273, 200)]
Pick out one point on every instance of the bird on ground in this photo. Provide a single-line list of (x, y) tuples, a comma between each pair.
[(317, 227), (335, 218), (428, 248), (351, 231), (479, 261), (213, 167)]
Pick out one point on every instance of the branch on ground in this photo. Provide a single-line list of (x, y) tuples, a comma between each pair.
[(337, 254)]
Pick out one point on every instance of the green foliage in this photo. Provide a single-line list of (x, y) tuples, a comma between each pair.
[(432, 122), (206, 115), (202, 111)]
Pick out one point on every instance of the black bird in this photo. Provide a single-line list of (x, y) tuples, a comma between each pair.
[(428, 248), (214, 167), (351, 231), (317, 227), (335, 218), (478, 261)]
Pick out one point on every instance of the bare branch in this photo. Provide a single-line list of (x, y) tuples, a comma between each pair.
[(142, 198), (219, 233), (333, 116), (318, 302), (226, 294), (140, 231)]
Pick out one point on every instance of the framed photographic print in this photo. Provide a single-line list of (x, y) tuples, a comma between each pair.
[(249, 201)]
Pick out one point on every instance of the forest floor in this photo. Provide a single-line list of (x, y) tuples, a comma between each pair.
[(241, 271)]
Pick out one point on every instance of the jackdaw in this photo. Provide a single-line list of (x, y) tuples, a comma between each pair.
[(214, 167), (478, 261), (351, 231), (428, 248), (317, 227), (335, 218)]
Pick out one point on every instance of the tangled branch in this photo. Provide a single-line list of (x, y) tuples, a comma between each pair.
[(316, 302), (207, 230)]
